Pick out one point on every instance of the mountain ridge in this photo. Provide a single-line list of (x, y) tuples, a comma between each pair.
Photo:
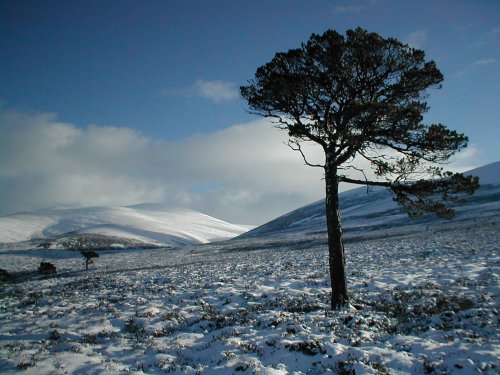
[(153, 224), (365, 209)]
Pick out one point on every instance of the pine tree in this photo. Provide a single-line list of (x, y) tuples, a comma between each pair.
[(362, 96), (89, 257)]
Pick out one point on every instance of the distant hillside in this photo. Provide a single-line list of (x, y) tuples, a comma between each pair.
[(139, 225), (363, 210)]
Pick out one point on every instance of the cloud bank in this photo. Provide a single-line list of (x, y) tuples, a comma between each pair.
[(243, 174), (217, 91)]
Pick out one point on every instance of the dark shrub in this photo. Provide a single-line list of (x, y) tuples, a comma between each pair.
[(47, 268), (5, 276)]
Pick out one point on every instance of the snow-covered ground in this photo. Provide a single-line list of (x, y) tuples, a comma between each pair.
[(425, 302)]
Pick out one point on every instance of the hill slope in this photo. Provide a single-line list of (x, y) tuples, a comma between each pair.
[(148, 224), (364, 211)]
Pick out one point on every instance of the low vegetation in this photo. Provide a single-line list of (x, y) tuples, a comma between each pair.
[(225, 309)]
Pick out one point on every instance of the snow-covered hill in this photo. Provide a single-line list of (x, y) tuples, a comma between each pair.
[(146, 224), (363, 210)]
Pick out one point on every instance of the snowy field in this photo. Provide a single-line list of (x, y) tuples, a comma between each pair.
[(424, 302)]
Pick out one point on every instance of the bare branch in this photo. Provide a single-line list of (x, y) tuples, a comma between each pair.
[(366, 182), (299, 149), (359, 170)]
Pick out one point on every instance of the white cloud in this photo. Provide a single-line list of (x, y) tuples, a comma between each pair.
[(218, 91), (48, 163), (242, 174), (416, 39), (478, 64), (484, 62), (466, 159)]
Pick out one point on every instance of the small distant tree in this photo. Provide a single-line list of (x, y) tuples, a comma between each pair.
[(362, 96), (89, 257)]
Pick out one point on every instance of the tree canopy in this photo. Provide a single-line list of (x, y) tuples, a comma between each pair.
[(362, 96)]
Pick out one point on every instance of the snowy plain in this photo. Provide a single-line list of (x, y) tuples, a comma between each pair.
[(425, 302)]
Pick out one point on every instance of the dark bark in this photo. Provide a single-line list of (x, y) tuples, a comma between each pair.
[(336, 256)]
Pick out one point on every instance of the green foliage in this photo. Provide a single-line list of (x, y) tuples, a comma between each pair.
[(430, 195), (90, 254)]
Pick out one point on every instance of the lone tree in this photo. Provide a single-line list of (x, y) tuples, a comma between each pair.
[(362, 96), (89, 257)]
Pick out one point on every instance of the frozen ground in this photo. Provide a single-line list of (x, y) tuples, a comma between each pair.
[(425, 302)]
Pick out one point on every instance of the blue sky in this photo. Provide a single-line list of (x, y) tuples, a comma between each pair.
[(164, 73)]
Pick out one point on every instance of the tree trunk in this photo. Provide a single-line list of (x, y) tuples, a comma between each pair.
[(336, 258)]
